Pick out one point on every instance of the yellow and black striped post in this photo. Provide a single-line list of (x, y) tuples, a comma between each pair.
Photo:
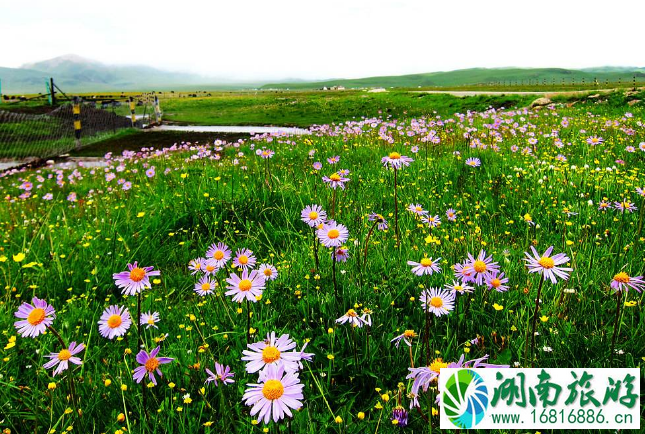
[(133, 116), (76, 115)]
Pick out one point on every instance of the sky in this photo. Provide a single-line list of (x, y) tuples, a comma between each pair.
[(319, 39)]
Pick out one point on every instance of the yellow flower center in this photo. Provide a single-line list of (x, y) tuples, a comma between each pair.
[(243, 259), (459, 288), (426, 262), (351, 313), (335, 177), (210, 268), (270, 354), (546, 262), (245, 285), (313, 215), (479, 266), (394, 155), (436, 301), (437, 364), (114, 321), (267, 272), (151, 320), (137, 274), (152, 364), (64, 355), (218, 255), (418, 208), (36, 316), (409, 333), (495, 283), (622, 277), (272, 389), (206, 286)]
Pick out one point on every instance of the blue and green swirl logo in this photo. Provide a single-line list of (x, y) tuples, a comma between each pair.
[(465, 398)]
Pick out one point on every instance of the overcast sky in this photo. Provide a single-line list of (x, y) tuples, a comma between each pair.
[(312, 39)]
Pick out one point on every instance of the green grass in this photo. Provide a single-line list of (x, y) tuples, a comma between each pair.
[(509, 77), (72, 248), (304, 109)]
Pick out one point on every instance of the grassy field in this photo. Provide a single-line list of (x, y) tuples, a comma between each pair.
[(285, 108), (543, 178)]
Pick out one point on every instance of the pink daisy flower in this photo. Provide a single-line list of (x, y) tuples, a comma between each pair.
[(219, 254), (114, 322), (249, 286), (426, 266), (276, 395), (35, 317), (333, 234), (244, 259), (222, 373), (135, 280), (62, 359), (548, 265), (149, 365)]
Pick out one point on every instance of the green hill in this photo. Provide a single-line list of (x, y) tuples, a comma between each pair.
[(475, 76)]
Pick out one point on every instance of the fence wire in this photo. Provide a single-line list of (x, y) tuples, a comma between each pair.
[(25, 135)]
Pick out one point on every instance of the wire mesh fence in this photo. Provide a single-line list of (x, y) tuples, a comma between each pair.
[(47, 135)]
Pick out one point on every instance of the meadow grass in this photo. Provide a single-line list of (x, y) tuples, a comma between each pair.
[(534, 188)]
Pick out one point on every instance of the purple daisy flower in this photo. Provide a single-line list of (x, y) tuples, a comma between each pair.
[(135, 280), (114, 322), (249, 286), (276, 395), (65, 357), (333, 234), (222, 373), (335, 180), (496, 281), (396, 161), (437, 301), (548, 265), (426, 266), (149, 365), (244, 259), (482, 266), (623, 281), (205, 286), (35, 317), (313, 215), (268, 271), (219, 254)]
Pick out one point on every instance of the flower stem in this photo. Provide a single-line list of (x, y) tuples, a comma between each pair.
[(619, 299), (396, 212), (367, 240), (534, 324)]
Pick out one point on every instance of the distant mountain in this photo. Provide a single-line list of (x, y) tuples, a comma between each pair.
[(73, 73), (475, 76)]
